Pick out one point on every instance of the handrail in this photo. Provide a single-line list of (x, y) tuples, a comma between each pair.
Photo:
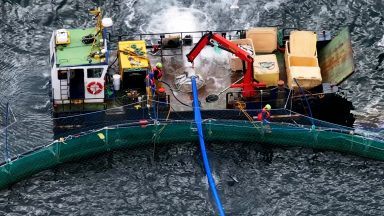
[(109, 35), (6, 148), (306, 100)]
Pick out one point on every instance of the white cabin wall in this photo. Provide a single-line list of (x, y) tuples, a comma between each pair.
[(98, 98), (89, 98)]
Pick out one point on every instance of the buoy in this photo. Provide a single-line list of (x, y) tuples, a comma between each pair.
[(94, 87), (101, 136), (143, 123), (137, 107)]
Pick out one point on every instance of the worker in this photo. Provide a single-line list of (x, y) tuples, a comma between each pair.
[(264, 114), (152, 81), (150, 86), (158, 74)]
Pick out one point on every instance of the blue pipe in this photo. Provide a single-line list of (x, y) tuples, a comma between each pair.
[(196, 110)]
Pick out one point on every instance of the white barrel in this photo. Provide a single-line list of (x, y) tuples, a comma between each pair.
[(116, 82)]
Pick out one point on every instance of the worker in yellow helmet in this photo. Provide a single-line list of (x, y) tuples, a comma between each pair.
[(158, 70), (158, 74), (264, 115), (152, 80)]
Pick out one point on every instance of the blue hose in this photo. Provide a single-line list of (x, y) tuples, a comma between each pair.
[(196, 110)]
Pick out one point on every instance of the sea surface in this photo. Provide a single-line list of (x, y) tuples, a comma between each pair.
[(133, 182)]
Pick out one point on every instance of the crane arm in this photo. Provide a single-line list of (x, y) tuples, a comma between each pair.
[(224, 44), (248, 84)]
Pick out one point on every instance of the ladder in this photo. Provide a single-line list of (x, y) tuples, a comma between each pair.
[(64, 89)]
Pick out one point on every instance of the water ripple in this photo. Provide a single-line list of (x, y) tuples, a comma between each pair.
[(295, 182)]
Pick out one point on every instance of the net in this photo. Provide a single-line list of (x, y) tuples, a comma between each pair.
[(134, 125)]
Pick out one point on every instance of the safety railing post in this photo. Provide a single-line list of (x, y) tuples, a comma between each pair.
[(6, 147)]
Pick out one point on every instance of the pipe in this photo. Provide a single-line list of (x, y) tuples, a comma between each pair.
[(197, 115)]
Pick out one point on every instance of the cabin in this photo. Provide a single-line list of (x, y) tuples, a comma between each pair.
[(79, 63)]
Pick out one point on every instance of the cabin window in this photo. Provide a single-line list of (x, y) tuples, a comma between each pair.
[(62, 74), (94, 72)]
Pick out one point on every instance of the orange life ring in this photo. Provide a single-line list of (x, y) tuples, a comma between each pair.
[(94, 87)]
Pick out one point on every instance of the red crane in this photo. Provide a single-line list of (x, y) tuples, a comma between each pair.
[(248, 84)]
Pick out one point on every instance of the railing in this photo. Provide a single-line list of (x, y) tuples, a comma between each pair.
[(157, 39), (217, 124), (9, 121), (70, 102), (85, 121), (140, 36)]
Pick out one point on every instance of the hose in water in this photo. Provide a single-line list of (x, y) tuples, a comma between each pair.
[(198, 120)]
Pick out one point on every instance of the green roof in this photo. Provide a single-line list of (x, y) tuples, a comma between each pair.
[(76, 53)]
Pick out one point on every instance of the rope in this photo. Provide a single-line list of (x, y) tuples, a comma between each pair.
[(6, 149), (286, 102), (14, 120), (172, 90), (154, 105), (306, 100), (90, 113), (157, 133), (241, 106)]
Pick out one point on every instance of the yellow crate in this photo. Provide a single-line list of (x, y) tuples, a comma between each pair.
[(301, 60), (236, 63), (132, 55), (303, 43), (266, 69), (307, 77), (264, 39)]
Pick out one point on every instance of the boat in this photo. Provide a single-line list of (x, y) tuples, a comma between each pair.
[(88, 76), (101, 100)]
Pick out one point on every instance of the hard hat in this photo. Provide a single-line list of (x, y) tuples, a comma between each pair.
[(267, 107), (159, 65)]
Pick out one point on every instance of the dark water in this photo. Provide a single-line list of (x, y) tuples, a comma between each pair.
[(295, 182)]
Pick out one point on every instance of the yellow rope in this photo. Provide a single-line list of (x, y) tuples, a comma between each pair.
[(97, 13), (156, 136), (241, 106)]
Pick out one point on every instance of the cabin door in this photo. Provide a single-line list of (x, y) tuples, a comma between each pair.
[(76, 84)]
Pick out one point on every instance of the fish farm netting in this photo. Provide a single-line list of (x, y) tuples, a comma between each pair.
[(134, 125)]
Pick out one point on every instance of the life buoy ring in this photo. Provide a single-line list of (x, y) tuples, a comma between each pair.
[(94, 87)]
